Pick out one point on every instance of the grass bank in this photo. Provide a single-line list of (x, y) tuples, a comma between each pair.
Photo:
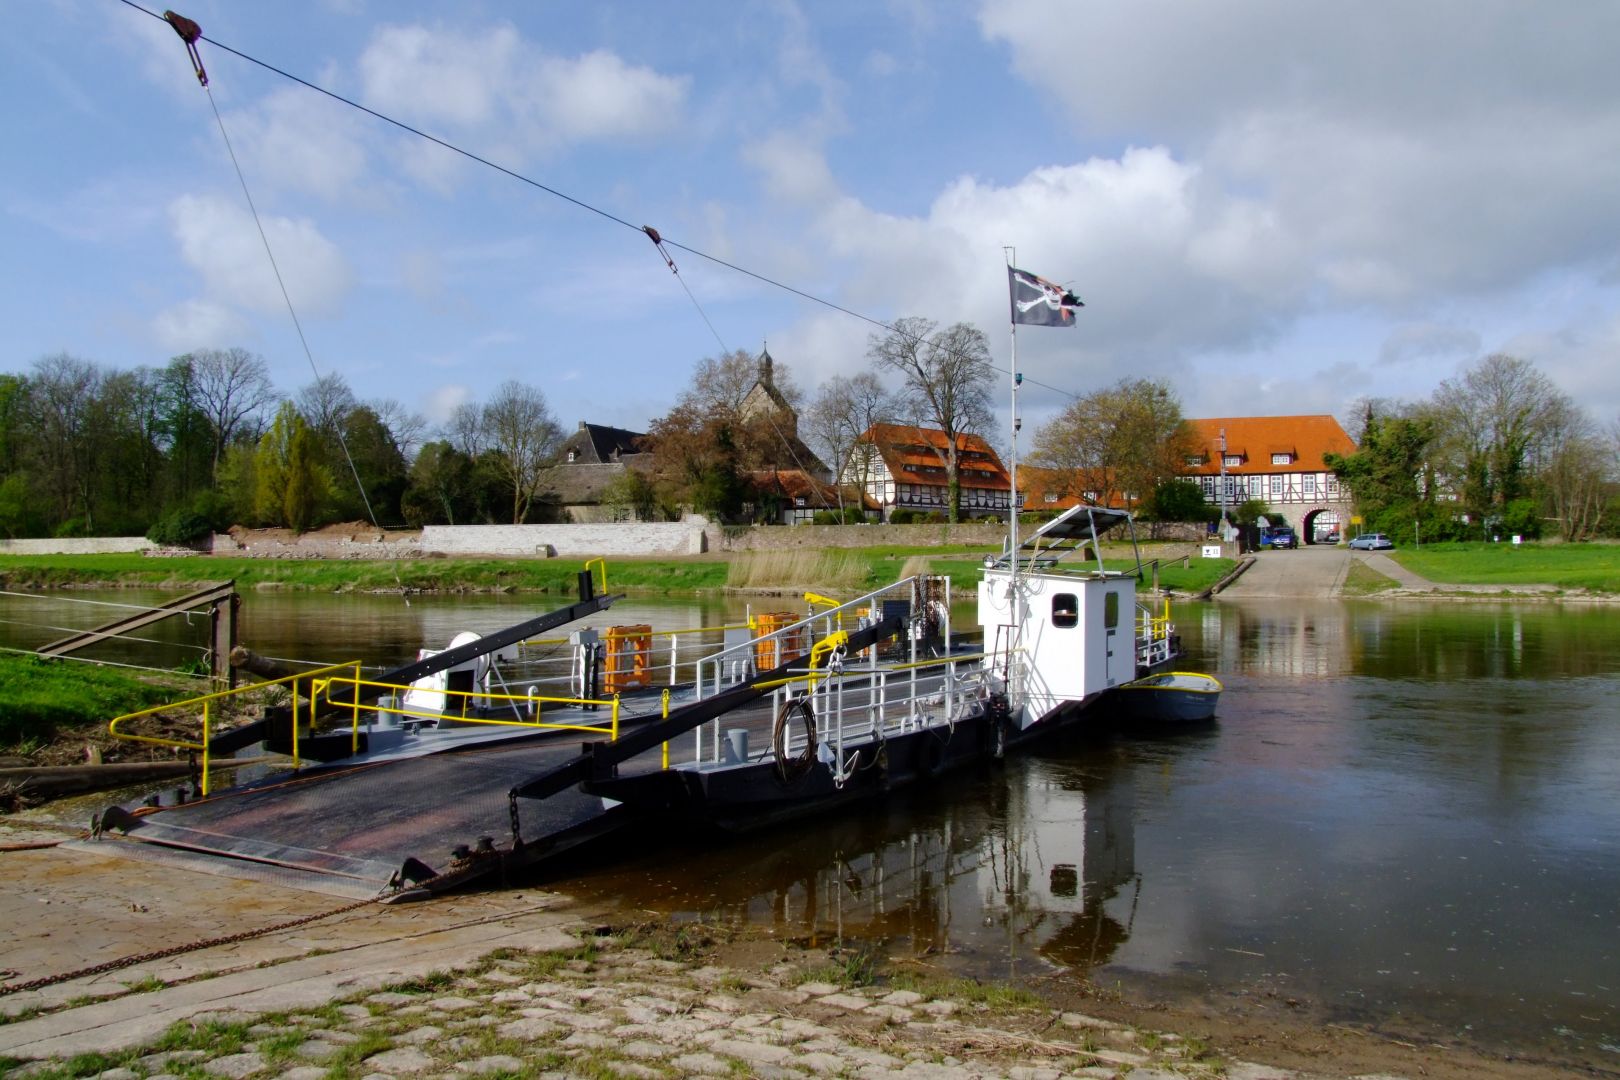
[(1569, 566), (831, 571), (41, 700)]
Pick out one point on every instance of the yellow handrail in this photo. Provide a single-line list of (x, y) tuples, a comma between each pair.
[(592, 562), (353, 703), (207, 718)]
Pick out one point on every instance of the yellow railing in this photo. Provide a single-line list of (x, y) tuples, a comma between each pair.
[(207, 700), (321, 682), (1153, 627), (603, 564), (533, 702)]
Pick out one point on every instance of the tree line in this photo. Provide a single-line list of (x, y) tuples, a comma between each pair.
[(206, 442), (1497, 451)]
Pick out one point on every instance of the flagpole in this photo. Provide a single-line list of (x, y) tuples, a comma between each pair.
[(1011, 255)]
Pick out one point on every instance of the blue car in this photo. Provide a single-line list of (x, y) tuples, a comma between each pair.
[(1372, 542)]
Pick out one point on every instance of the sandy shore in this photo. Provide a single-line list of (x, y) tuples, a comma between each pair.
[(526, 983)]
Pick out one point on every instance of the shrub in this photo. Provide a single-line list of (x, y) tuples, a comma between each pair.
[(179, 528)]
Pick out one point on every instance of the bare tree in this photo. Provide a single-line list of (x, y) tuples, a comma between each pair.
[(1498, 424), (325, 404), (62, 396), (465, 429), (721, 383), (524, 435), (405, 426), (947, 377), (229, 386), (839, 414)]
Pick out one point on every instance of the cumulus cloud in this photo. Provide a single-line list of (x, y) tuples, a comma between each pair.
[(1419, 342), (198, 324), (1400, 152), (220, 242), (298, 141), (495, 82), (441, 401)]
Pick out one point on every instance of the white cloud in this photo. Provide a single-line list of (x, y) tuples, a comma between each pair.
[(441, 401), (494, 84), (198, 324), (298, 141), (599, 96), (221, 243), (1428, 343)]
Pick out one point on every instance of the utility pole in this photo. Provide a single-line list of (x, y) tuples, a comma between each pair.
[(1225, 525)]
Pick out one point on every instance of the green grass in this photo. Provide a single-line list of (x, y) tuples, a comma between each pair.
[(1362, 580), (846, 569), (647, 576), (1569, 566), (43, 695)]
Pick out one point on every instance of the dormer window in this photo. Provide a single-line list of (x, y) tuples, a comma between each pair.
[(1282, 459), (1233, 460), (1195, 460)]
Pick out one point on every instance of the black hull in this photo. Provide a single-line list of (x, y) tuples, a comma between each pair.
[(740, 798)]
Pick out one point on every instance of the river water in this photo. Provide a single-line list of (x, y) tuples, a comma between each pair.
[(1406, 815)]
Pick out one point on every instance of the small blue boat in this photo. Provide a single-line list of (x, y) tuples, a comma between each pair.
[(1173, 697)]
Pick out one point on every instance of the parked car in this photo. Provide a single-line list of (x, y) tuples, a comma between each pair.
[(1372, 542), (1279, 537)]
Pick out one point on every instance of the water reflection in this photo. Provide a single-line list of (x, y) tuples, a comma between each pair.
[(1009, 870)]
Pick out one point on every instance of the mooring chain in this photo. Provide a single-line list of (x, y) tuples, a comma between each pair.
[(176, 950)]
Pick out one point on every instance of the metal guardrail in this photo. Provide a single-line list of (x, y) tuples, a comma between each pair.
[(321, 683), (207, 700), (531, 702)]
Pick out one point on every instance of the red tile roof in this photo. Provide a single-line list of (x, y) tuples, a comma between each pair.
[(1255, 438), (1037, 483), (909, 452)]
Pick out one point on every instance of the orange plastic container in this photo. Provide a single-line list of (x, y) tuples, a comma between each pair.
[(629, 658), (772, 652)]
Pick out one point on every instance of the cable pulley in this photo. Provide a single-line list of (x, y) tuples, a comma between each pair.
[(189, 33)]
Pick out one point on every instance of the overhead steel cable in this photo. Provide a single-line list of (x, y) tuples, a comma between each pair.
[(582, 204)]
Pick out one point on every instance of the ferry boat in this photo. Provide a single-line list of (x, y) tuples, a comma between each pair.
[(445, 769)]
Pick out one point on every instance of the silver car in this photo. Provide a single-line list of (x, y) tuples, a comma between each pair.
[(1372, 542)]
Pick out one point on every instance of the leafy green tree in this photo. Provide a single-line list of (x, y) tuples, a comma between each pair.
[(439, 487), (1176, 499), (290, 484), (1390, 475), (631, 497)]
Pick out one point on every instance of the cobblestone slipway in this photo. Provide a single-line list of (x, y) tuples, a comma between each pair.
[(615, 1010)]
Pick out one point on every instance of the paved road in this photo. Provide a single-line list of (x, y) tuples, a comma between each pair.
[(1312, 571)]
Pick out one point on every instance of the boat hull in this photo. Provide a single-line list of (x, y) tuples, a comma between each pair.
[(1175, 698)]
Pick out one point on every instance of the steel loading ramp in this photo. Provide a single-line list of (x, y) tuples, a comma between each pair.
[(371, 830), (398, 829)]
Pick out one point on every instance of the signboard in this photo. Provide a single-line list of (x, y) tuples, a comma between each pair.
[(1212, 551), (1355, 519)]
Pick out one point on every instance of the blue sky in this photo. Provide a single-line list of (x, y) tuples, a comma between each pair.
[(1279, 207)]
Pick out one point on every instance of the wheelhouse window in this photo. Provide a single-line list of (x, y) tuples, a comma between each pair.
[(1066, 610), (1110, 610)]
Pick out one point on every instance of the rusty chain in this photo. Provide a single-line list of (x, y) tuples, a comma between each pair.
[(176, 950)]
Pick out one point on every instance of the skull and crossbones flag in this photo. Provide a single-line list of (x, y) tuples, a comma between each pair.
[(1038, 302)]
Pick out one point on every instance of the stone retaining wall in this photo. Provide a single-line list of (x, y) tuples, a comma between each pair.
[(75, 545), (569, 541)]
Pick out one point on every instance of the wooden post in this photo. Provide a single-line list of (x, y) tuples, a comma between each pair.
[(222, 639)]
